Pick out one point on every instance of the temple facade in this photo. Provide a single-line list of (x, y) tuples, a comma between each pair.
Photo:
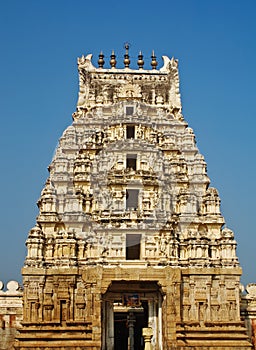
[(130, 250)]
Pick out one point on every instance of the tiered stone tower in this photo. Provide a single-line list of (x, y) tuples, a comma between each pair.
[(129, 249)]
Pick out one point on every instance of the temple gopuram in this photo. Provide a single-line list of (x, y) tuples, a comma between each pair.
[(130, 250)]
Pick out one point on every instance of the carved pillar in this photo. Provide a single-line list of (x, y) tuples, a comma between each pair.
[(110, 325), (143, 247), (147, 335), (193, 310), (96, 312), (151, 313), (55, 301), (25, 298), (223, 302), (237, 298), (72, 301), (131, 321), (160, 322), (208, 296), (40, 300)]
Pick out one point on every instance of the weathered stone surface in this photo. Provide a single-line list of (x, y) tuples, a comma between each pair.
[(129, 233), (248, 310), (10, 313)]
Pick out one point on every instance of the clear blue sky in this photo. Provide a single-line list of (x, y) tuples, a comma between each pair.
[(215, 42)]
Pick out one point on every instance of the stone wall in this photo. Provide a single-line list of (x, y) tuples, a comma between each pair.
[(248, 310), (10, 313)]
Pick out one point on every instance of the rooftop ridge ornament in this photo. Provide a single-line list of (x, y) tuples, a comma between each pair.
[(113, 59), (126, 56), (153, 61), (104, 86), (101, 61), (140, 61)]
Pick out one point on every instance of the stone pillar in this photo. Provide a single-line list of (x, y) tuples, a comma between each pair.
[(160, 322), (110, 325), (151, 312), (208, 302), (152, 318), (147, 335), (131, 321), (193, 310)]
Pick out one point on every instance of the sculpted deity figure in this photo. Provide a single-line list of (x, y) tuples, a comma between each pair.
[(120, 132), (140, 132)]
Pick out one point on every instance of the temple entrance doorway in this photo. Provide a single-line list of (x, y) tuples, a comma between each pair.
[(128, 327), (128, 307)]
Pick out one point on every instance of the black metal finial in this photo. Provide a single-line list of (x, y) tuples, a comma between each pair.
[(127, 46)]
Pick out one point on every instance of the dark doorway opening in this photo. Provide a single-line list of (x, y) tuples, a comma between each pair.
[(133, 246), (132, 197), (121, 327), (121, 331), (129, 110), (131, 161), (130, 131)]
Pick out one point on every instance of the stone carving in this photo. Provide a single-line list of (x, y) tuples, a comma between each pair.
[(129, 92), (95, 89)]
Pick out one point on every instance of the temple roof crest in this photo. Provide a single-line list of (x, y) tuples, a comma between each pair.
[(101, 86)]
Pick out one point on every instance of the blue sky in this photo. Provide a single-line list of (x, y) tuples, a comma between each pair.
[(215, 42)]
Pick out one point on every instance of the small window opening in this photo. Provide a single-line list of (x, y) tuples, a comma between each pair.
[(132, 199), (131, 161), (133, 246), (130, 131), (129, 110)]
